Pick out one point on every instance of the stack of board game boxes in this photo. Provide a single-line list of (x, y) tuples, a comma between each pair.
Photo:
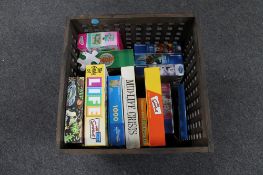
[(122, 101)]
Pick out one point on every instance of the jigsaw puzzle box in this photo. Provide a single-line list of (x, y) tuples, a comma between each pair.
[(74, 111), (116, 132)]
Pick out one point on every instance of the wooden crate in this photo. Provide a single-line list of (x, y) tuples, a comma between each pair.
[(145, 28)]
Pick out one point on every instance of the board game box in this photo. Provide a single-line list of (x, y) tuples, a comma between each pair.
[(154, 103), (116, 132), (156, 58), (143, 122), (182, 112), (132, 132), (74, 111), (95, 106), (168, 110), (116, 58)]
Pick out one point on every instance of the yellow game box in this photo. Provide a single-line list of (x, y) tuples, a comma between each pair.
[(143, 122), (155, 113), (95, 103)]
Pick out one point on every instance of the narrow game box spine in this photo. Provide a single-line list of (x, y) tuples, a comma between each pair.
[(95, 109), (154, 106), (73, 132), (143, 122), (168, 108), (116, 132), (182, 112), (132, 134)]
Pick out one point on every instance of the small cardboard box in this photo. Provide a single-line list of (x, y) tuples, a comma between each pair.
[(99, 41)]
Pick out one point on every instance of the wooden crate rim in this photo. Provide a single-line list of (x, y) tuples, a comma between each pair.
[(147, 15)]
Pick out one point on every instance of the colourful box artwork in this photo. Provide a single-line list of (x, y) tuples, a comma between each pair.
[(116, 58), (95, 101), (168, 108), (99, 41), (116, 130), (143, 122), (154, 102), (74, 111), (156, 58)]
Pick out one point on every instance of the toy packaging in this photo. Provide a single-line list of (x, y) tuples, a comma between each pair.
[(116, 132), (86, 58), (182, 112), (154, 103), (116, 58), (143, 122), (111, 58), (157, 48), (170, 69), (99, 41), (95, 102), (157, 58), (74, 111), (132, 132), (167, 107)]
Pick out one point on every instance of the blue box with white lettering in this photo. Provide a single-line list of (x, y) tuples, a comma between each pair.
[(157, 58), (116, 132), (182, 112)]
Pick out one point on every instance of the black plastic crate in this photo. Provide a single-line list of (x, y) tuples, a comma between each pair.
[(143, 28)]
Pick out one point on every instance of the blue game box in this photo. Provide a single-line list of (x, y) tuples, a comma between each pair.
[(116, 132), (182, 112)]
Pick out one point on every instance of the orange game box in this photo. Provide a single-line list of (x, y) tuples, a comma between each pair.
[(154, 102)]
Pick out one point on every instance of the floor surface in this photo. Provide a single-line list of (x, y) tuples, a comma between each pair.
[(31, 35)]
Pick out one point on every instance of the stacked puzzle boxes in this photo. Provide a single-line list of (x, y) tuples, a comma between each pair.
[(166, 57)]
